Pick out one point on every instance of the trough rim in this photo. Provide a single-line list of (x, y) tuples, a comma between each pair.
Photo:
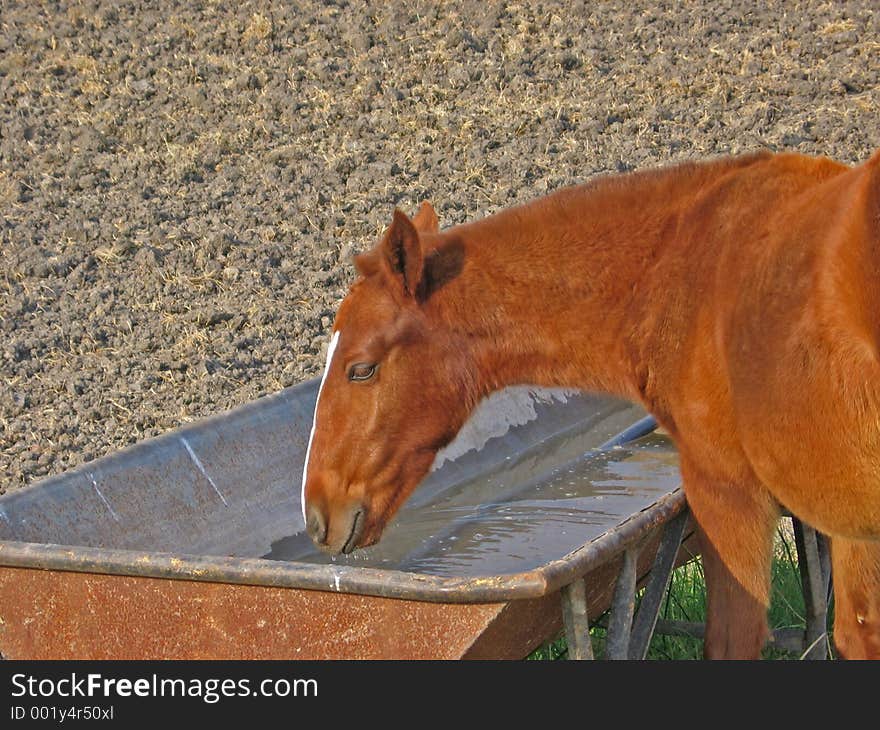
[(382, 583)]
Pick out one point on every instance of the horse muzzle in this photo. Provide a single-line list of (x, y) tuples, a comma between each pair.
[(339, 531)]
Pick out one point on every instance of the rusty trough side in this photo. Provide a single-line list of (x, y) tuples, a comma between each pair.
[(99, 616), (63, 614)]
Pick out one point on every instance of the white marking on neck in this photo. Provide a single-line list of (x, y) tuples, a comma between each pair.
[(334, 341)]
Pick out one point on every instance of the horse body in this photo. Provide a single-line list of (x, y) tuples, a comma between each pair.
[(737, 300), (801, 342)]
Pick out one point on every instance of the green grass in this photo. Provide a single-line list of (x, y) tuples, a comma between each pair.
[(686, 601)]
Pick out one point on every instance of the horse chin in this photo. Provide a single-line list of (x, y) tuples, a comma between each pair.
[(370, 535), (371, 540), (374, 528)]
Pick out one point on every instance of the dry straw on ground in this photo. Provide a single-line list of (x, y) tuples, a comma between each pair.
[(181, 184)]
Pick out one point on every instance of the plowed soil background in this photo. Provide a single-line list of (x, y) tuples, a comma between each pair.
[(182, 183)]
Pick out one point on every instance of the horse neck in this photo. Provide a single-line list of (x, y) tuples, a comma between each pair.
[(554, 293)]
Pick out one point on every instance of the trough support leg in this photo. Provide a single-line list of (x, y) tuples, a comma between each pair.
[(577, 624), (814, 566), (661, 572), (622, 605)]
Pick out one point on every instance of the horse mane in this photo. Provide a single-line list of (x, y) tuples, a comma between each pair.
[(685, 171)]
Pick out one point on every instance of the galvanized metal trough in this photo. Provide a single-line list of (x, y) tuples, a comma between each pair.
[(549, 507)]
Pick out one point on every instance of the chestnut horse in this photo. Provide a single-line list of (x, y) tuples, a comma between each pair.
[(738, 300)]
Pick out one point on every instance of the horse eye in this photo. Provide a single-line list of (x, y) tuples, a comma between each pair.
[(361, 371)]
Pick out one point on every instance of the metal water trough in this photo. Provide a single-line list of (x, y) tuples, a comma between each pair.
[(191, 545)]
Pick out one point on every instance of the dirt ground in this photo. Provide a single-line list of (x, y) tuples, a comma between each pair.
[(182, 183)]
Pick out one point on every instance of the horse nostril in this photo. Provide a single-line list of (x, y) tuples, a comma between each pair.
[(316, 526)]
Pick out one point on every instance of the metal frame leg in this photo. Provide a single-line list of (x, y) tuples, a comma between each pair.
[(622, 606), (629, 639), (661, 573), (814, 565), (577, 624)]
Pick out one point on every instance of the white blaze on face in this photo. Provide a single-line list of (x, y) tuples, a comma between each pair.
[(330, 350)]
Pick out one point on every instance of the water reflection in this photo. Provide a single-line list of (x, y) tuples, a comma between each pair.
[(522, 515)]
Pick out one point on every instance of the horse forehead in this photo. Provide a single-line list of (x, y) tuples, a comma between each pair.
[(366, 309)]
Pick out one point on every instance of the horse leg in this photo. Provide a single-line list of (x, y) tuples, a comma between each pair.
[(856, 572), (736, 521)]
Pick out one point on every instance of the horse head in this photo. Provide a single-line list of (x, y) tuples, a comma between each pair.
[(398, 384)]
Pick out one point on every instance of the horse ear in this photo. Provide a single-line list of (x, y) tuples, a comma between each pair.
[(367, 264), (402, 251), (426, 219)]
